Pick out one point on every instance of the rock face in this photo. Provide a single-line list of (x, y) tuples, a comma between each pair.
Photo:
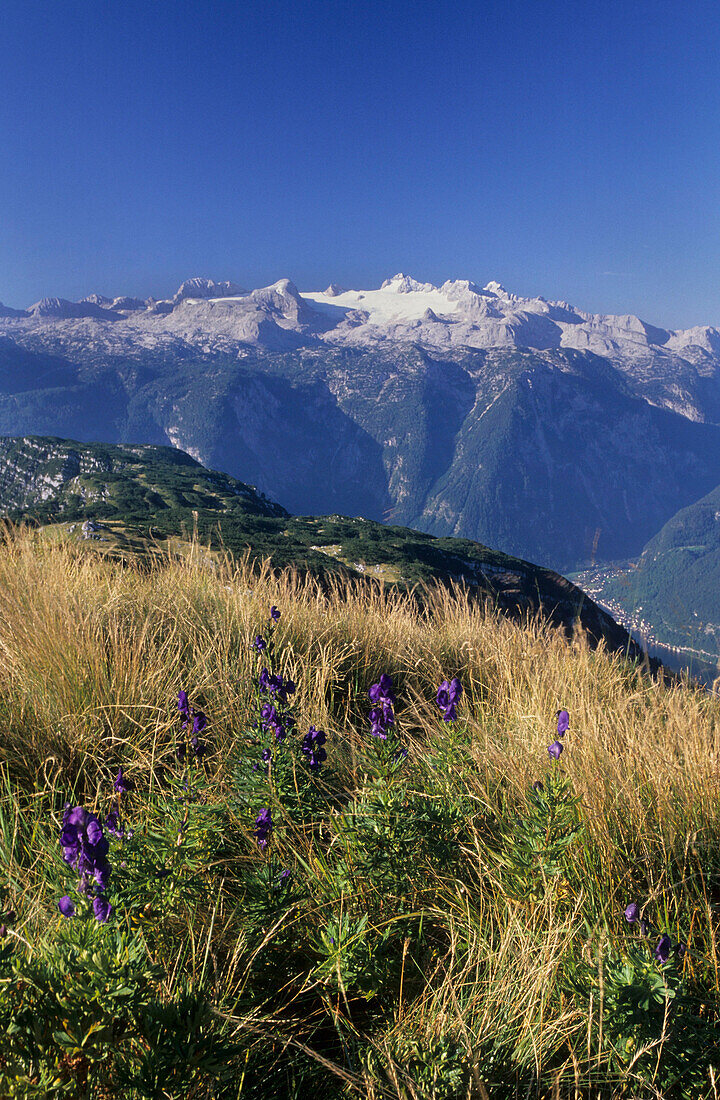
[(206, 288), (126, 304), (6, 311), (97, 300), (553, 434), (61, 309)]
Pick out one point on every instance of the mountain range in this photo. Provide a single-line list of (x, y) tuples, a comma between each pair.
[(549, 433)]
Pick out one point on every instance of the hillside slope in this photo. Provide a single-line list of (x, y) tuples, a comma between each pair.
[(675, 585), (136, 498)]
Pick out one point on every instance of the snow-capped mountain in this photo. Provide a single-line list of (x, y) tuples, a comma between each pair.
[(459, 314), (63, 310), (530, 425)]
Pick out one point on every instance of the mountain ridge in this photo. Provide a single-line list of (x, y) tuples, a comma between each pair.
[(373, 403), (488, 316)]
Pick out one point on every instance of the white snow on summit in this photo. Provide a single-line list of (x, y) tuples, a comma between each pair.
[(459, 314), (398, 299)]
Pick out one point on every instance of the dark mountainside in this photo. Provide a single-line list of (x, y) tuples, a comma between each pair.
[(544, 454), (675, 585), (136, 497)]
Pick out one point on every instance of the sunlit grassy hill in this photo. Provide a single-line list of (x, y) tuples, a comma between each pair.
[(140, 502), (437, 914)]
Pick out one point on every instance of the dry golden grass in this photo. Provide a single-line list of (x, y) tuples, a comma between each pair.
[(92, 656), (90, 651)]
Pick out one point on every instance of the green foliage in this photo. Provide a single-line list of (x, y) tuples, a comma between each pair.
[(532, 847), (68, 1004), (87, 1008), (355, 956), (652, 1026), (389, 833), (83, 1011), (432, 1068), (638, 996)]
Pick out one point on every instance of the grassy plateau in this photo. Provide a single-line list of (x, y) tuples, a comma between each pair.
[(222, 882)]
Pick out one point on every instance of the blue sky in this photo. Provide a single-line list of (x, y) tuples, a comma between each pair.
[(566, 149)]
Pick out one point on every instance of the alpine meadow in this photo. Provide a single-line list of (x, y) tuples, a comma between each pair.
[(265, 836), (359, 550)]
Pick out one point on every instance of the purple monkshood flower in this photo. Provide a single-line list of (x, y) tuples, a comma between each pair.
[(632, 912), (644, 927), (259, 644), (272, 722), (312, 746), (266, 758), (382, 715), (555, 749), (382, 692), (102, 909), (274, 613), (112, 824), (563, 722), (101, 874), (269, 714), (84, 846), (122, 785), (199, 722), (662, 951), (286, 688), (379, 722), (276, 685), (187, 712), (66, 907), (282, 878), (263, 825), (681, 950), (447, 698)]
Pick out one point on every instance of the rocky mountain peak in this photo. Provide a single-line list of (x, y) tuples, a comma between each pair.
[(404, 284), (62, 309), (206, 288)]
